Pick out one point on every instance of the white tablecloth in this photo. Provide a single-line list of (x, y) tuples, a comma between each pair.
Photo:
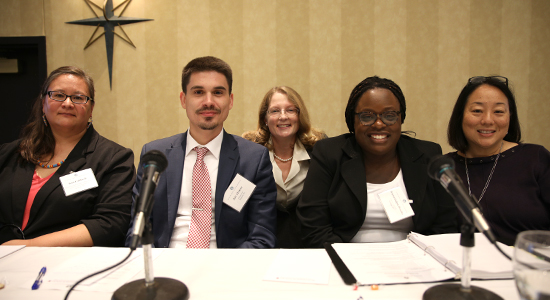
[(213, 274)]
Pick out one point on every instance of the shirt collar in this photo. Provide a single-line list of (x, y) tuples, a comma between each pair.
[(300, 152), (214, 146)]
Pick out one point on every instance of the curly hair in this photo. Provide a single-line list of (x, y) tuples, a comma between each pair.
[(306, 134)]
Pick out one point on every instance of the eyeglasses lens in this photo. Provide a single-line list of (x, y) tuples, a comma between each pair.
[(388, 118), (278, 112), (77, 99)]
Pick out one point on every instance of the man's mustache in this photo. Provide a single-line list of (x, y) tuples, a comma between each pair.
[(216, 110)]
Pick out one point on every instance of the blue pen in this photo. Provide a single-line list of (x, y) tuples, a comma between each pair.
[(38, 280)]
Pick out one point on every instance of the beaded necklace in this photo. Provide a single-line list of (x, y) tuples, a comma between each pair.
[(46, 166), (283, 160)]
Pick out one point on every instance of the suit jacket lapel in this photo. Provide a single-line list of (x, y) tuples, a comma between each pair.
[(22, 180), (174, 174), (353, 173), (414, 173), (229, 156)]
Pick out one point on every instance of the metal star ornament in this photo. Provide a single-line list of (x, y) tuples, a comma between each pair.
[(109, 22)]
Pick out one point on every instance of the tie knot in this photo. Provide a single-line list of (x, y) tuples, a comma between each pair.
[(201, 151)]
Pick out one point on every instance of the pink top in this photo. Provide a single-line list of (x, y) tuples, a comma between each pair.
[(36, 185)]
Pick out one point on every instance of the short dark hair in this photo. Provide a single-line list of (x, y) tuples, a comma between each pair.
[(203, 64), (370, 83), (455, 133)]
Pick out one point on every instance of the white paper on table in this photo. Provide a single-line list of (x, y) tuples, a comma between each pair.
[(9, 249), (300, 266), (486, 261), (393, 262), (63, 276)]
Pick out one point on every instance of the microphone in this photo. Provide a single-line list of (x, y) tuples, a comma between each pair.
[(442, 169), (154, 162)]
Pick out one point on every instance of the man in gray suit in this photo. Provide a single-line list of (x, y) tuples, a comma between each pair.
[(233, 165)]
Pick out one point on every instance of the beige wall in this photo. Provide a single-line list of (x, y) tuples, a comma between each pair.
[(322, 48)]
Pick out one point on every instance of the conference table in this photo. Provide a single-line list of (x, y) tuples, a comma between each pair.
[(210, 274)]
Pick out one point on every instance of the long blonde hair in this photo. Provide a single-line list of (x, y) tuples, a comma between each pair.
[(307, 135)]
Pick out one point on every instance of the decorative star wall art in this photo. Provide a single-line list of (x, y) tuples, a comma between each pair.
[(109, 21)]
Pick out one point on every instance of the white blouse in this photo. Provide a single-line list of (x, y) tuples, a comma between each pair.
[(377, 227), (289, 190)]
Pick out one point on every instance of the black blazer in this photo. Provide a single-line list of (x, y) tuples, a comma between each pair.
[(104, 210), (334, 200)]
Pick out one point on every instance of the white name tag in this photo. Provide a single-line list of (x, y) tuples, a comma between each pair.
[(238, 192), (77, 182), (396, 205)]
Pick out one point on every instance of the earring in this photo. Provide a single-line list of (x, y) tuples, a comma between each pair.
[(90, 122), (44, 119)]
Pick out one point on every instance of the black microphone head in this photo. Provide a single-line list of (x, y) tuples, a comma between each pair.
[(155, 157), (439, 163)]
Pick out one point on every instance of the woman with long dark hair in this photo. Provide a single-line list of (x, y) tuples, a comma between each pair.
[(63, 184)]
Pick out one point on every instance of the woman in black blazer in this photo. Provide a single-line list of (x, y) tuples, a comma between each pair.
[(43, 198), (374, 159)]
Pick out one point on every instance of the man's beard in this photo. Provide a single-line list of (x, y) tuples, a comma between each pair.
[(208, 126)]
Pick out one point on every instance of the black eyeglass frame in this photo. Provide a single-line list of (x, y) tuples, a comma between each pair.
[(49, 93), (482, 79), (381, 116)]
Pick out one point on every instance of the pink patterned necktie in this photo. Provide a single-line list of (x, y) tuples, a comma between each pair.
[(201, 216)]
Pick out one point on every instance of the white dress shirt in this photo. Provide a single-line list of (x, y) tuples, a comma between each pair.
[(183, 218)]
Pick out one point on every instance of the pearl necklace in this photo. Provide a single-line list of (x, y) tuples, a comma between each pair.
[(46, 166), (283, 160), (488, 179)]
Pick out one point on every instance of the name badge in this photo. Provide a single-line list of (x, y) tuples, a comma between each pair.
[(238, 192), (396, 205), (79, 181)]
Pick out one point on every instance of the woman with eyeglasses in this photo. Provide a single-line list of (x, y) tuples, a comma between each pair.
[(63, 184), (284, 128), (509, 179), (372, 185)]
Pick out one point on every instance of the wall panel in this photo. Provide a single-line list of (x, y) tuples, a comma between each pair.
[(321, 48)]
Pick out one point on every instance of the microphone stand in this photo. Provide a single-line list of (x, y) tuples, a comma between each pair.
[(151, 288), (454, 291), (147, 239)]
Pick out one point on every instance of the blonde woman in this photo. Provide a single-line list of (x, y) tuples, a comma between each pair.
[(284, 128)]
